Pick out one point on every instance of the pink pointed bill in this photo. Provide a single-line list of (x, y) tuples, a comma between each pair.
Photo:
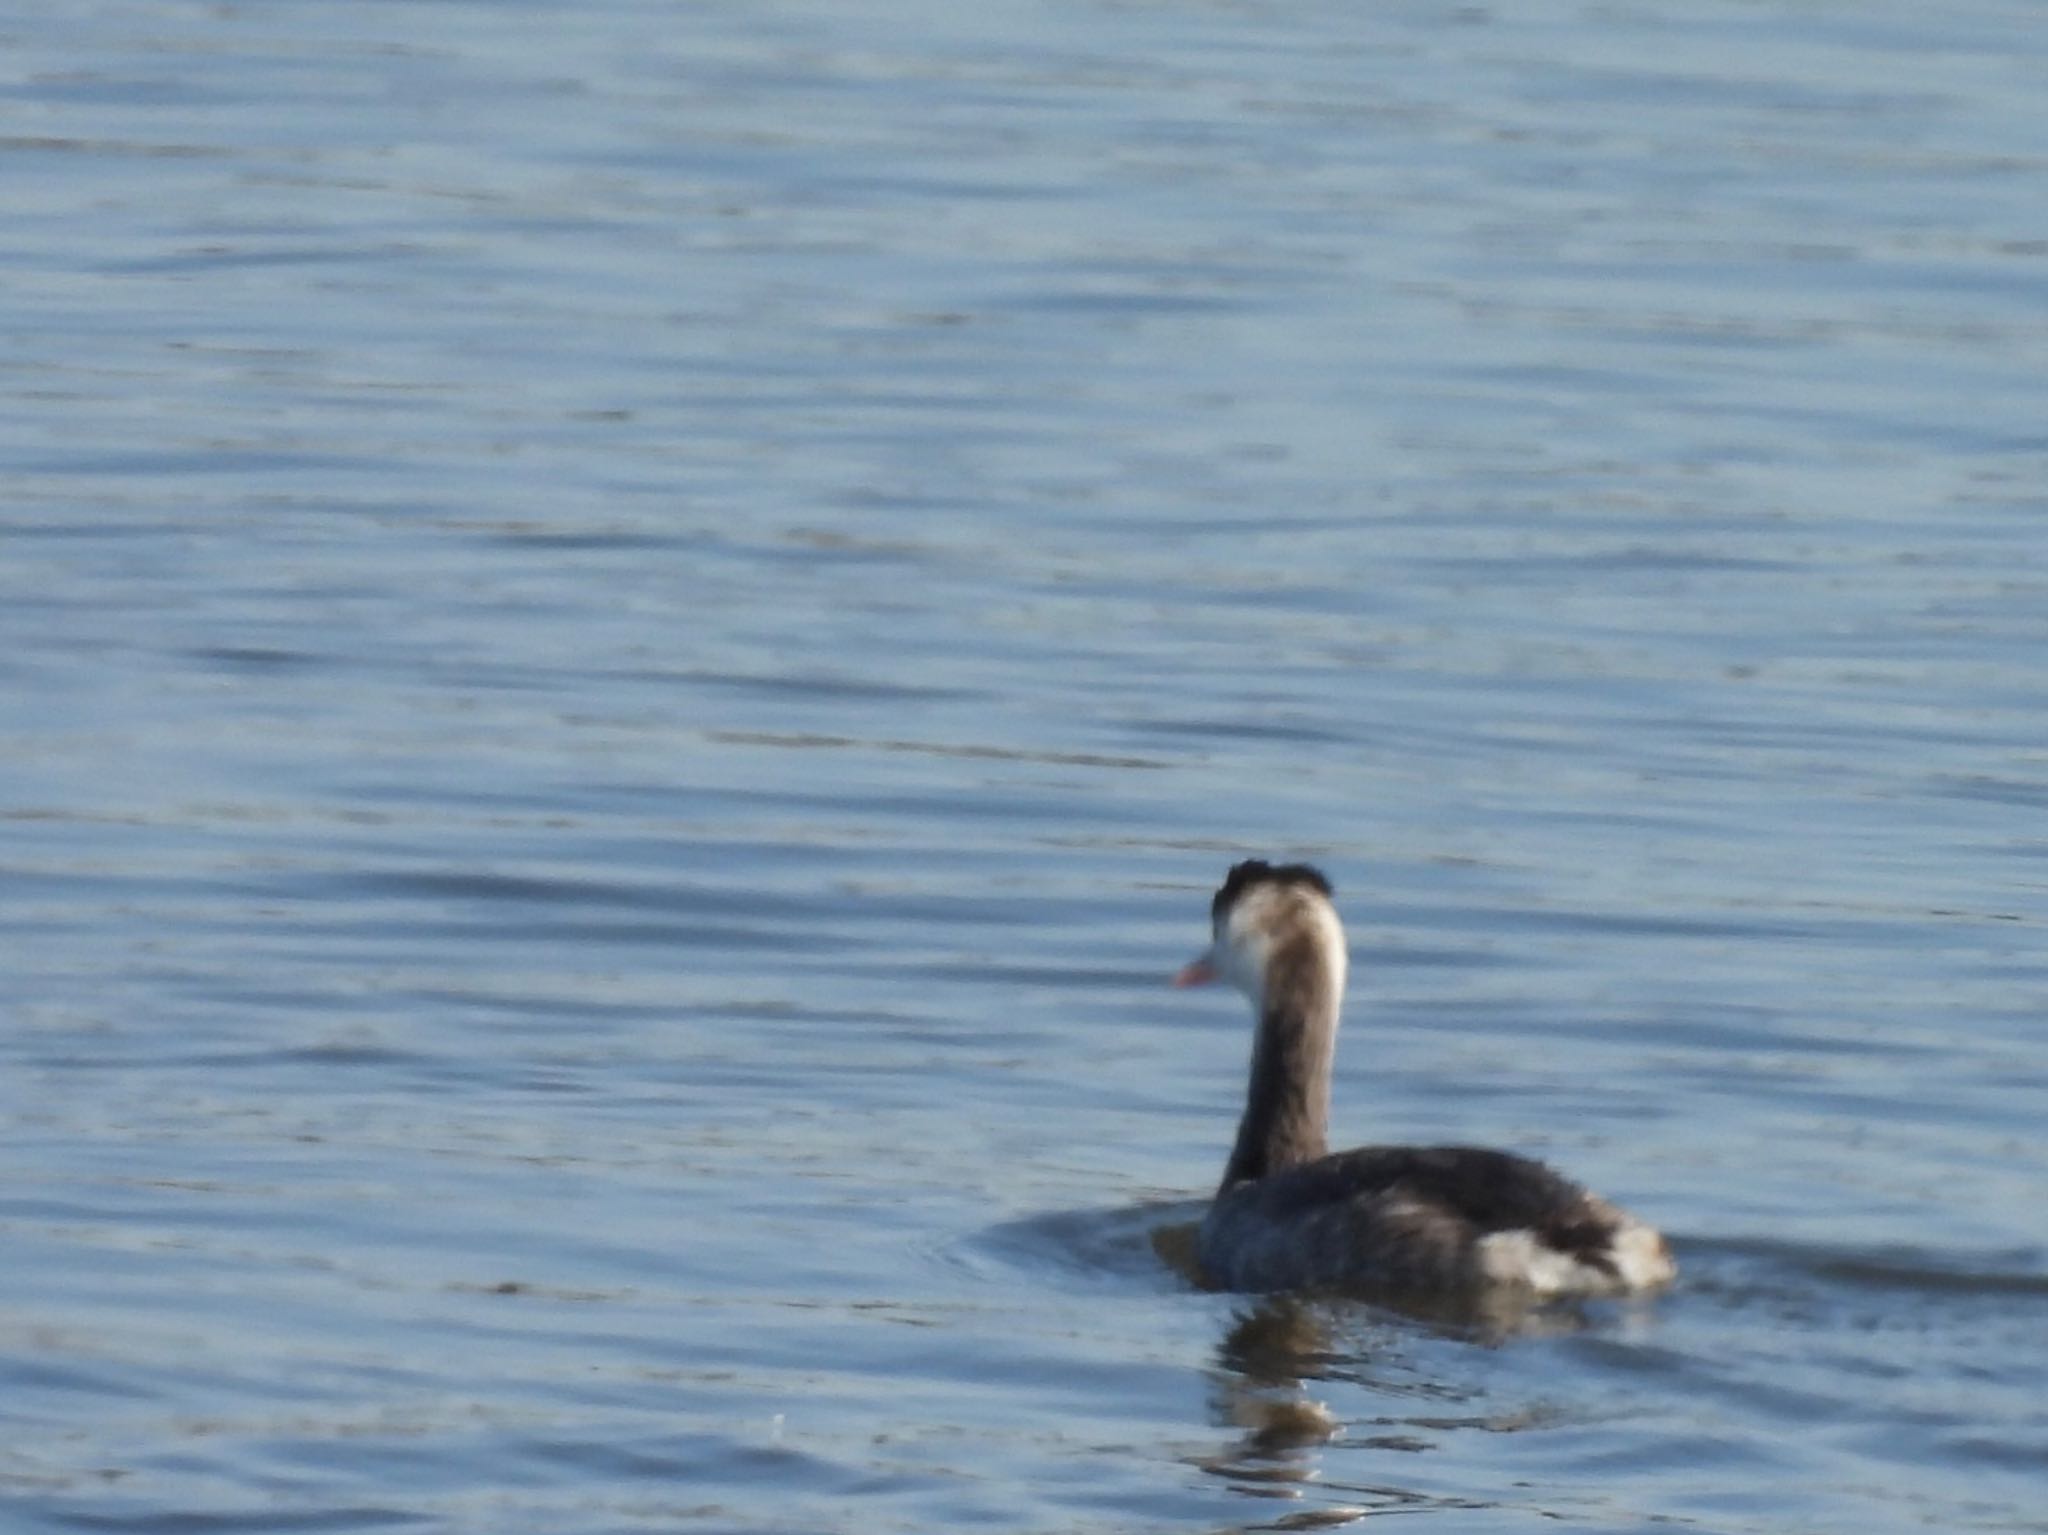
[(1198, 973)]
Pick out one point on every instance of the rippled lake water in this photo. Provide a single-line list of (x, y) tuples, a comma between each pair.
[(635, 634)]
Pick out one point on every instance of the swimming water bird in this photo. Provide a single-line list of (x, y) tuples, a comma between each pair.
[(1436, 1221)]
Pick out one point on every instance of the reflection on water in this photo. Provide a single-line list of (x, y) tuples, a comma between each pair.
[(1261, 1365), (1278, 1351)]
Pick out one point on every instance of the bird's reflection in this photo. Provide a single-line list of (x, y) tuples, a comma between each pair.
[(1280, 1349), (1274, 1346)]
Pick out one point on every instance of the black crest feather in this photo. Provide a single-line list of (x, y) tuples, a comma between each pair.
[(1256, 871)]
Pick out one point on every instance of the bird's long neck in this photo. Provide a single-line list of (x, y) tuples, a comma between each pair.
[(1287, 1109)]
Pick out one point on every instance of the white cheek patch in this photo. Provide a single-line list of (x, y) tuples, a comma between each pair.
[(1245, 945)]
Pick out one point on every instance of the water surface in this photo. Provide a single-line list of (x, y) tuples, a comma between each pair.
[(635, 633)]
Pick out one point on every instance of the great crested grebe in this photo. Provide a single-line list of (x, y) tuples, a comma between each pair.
[(1435, 1220)]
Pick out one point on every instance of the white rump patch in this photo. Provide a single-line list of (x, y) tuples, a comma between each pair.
[(1517, 1257), (1640, 1258)]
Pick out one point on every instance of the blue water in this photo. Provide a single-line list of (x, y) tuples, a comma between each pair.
[(634, 634)]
